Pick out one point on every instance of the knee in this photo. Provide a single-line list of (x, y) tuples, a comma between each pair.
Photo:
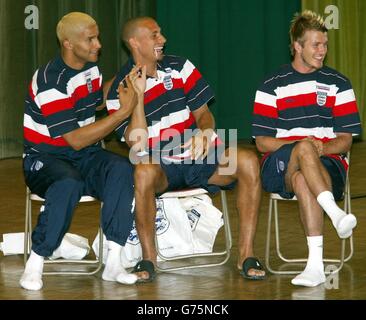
[(305, 149), (71, 185), (119, 166), (248, 164), (144, 175)]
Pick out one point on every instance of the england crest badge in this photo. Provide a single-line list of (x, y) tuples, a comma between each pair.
[(88, 80), (161, 221), (321, 94), (167, 80)]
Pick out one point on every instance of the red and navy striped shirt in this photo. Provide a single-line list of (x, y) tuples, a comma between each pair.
[(291, 105), (60, 99), (169, 101)]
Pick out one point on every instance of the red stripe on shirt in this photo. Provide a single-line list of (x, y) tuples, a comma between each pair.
[(153, 93), (191, 80), (110, 111), (37, 138), (301, 100), (159, 89), (56, 106), (82, 90), (293, 138), (330, 102), (265, 110), (68, 103), (345, 109)]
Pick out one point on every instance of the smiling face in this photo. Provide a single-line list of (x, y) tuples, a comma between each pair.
[(78, 35), (148, 43), (85, 46), (311, 51)]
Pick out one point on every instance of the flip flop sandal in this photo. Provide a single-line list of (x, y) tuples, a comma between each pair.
[(145, 266), (252, 263)]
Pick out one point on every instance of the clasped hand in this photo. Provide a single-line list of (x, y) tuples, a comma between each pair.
[(132, 88), (200, 144), (318, 144)]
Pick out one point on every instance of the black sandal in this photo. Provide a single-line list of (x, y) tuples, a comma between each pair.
[(145, 266), (252, 263)]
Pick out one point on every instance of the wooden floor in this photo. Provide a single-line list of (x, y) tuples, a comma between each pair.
[(219, 283)]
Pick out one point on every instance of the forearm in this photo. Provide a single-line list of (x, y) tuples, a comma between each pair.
[(94, 132), (206, 122), (136, 132), (341, 144), (270, 144)]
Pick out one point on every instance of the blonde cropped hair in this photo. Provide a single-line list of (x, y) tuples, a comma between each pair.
[(72, 24), (306, 20)]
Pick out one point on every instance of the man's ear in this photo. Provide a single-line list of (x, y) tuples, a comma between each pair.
[(67, 44), (298, 47), (133, 43)]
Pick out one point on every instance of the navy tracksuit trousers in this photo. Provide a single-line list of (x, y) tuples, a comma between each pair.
[(62, 180)]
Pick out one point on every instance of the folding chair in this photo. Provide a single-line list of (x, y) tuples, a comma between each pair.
[(185, 258), (27, 241), (273, 208)]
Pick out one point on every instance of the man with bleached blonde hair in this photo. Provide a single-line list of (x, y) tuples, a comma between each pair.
[(304, 117), (63, 157), (71, 24)]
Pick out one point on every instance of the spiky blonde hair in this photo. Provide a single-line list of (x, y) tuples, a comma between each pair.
[(306, 20)]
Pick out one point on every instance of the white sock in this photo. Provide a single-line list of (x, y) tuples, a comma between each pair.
[(32, 276), (342, 222), (313, 274), (113, 270)]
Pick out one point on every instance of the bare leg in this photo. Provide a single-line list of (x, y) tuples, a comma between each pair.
[(247, 200), (305, 158), (311, 213), (149, 180), (312, 219)]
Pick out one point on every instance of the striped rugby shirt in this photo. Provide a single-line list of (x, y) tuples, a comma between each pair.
[(169, 101), (291, 105), (60, 99)]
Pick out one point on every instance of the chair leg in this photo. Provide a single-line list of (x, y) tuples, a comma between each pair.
[(348, 209), (225, 211), (273, 206), (98, 261), (277, 232), (28, 214), (268, 239), (28, 244)]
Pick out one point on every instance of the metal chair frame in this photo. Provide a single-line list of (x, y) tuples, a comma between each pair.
[(273, 207), (228, 238), (28, 242)]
